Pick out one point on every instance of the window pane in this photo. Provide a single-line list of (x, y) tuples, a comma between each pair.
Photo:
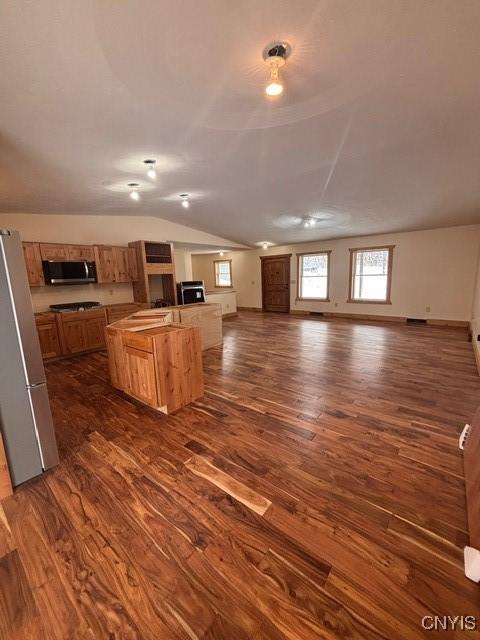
[(314, 276), (315, 265), (223, 275), (370, 287), (314, 287)]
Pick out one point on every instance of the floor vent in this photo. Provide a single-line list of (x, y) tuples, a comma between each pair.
[(416, 321)]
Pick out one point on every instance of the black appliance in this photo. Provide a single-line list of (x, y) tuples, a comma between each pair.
[(190, 291), (74, 306), (58, 273)]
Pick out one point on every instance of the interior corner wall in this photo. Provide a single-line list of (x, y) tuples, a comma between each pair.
[(433, 268)]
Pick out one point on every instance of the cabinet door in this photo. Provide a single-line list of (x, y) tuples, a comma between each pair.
[(49, 340), (51, 251), (132, 264), (121, 264), (80, 252), (105, 263), (140, 369), (74, 336), (33, 262), (95, 332)]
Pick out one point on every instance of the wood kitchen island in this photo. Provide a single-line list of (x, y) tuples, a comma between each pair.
[(155, 360)]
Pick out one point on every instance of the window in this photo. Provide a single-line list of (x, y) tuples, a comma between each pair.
[(223, 273), (313, 275), (370, 274)]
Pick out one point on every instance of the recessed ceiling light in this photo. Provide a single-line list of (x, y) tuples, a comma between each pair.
[(134, 195), (265, 246), (151, 173), (275, 56), (185, 202)]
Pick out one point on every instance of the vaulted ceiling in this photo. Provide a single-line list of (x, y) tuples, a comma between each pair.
[(378, 128)]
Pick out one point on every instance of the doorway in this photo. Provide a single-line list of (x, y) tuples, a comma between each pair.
[(276, 283)]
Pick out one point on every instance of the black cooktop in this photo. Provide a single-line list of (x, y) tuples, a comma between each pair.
[(74, 306)]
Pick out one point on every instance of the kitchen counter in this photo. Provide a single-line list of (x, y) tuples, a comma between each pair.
[(155, 360), (227, 298)]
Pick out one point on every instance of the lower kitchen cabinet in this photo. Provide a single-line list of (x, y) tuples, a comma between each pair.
[(82, 331), (48, 335)]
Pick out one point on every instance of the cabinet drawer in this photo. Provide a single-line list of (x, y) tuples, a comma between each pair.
[(138, 341)]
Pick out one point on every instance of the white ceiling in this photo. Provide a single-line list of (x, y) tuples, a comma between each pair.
[(378, 129)]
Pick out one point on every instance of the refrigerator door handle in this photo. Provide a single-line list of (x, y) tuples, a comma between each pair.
[(35, 385)]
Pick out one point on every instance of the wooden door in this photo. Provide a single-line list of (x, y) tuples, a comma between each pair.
[(95, 332), (121, 264), (140, 369), (33, 262), (276, 283), (49, 340), (105, 263)]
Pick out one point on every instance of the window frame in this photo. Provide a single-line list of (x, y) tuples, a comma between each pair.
[(222, 286), (300, 271), (353, 251)]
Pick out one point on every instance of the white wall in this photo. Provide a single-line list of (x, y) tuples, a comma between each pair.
[(100, 229), (434, 268)]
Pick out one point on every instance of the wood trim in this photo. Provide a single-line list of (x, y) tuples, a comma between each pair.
[(390, 248), (472, 480), (276, 255), (313, 253), (476, 353), (233, 314), (256, 309), (222, 286)]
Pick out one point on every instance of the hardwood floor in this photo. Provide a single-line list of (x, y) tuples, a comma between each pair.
[(316, 491)]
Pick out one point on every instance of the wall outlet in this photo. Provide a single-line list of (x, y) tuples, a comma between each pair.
[(253, 282), (228, 306), (336, 304), (427, 309)]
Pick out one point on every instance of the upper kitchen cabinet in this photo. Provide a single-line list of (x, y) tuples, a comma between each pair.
[(115, 264), (80, 252), (105, 263), (66, 252), (50, 251), (155, 265), (33, 263)]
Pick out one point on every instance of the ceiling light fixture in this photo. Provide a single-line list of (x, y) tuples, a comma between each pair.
[(221, 253), (275, 56), (309, 222), (185, 202), (151, 173), (265, 246), (134, 195)]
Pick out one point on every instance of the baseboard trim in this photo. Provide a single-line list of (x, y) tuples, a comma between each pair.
[(436, 322), (258, 309), (234, 314), (476, 353)]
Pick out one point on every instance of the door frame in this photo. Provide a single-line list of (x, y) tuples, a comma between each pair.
[(275, 257)]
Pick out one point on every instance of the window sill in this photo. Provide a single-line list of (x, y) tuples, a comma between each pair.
[(370, 301), (312, 299), (224, 286)]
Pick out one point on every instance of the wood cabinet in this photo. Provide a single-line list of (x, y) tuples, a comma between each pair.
[(122, 310), (132, 264), (51, 251), (207, 316), (80, 252), (82, 331), (160, 365), (120, 258), (115, 264), (48, 335), (33, 263), (105, 263), (154, 260)]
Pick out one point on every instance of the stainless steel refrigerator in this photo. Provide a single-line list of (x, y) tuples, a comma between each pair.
[(25, 417)]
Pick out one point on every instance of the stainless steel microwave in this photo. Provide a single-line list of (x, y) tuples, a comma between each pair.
[(80, 272)]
